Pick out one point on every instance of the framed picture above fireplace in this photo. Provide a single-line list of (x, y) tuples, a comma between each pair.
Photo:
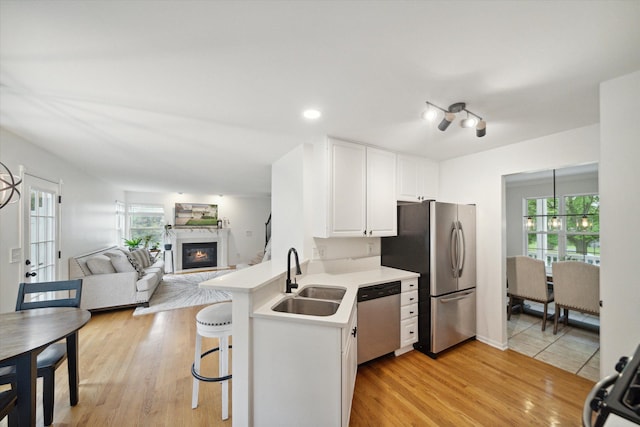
[(196, 215)]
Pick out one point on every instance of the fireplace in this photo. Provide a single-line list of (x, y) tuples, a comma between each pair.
[(199, 255), (201, 235)]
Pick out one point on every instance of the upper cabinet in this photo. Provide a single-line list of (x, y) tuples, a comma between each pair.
[(417, 178), (382, 212), (357, 190)]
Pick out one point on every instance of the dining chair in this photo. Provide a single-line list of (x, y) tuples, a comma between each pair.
[(577, 287), (67, 293), (527, 280), (8, 399)]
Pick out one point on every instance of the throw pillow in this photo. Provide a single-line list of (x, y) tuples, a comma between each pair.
[(120, 262), (147, 258), (136, 265), (100, 264), (141, 256)]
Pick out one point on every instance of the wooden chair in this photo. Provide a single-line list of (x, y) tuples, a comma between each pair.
[(577, 287), (52, 356), (8, 406), (527, 280)]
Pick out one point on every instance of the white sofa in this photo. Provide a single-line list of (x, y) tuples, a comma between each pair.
[(113, 277)]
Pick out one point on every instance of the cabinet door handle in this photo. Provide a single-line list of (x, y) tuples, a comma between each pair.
[(411, 312), (354, 331), (411, 299), (370, 232), (364, 233), (410, 332)]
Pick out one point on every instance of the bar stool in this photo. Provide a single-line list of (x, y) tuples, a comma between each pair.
[(213, 321)]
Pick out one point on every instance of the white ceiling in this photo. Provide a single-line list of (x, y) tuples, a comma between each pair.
[(202, 96)]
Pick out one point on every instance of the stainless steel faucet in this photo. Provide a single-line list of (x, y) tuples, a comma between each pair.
[(293, 285)]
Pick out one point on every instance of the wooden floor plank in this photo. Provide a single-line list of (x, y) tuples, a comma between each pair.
[(135, 371)]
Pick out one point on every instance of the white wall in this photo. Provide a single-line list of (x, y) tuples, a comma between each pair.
[(87, 218), (619, 180), (516, 192), (291, 200), (246, 215), (479, 179)]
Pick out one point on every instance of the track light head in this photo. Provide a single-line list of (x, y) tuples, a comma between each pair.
[(430, 113), (481, 129), (446, 121), (469, 122)]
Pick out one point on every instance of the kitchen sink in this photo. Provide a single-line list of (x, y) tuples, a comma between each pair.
[(322, 292), (308, 306)]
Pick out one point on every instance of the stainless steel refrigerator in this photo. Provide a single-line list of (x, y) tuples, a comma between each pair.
[(438, 240)]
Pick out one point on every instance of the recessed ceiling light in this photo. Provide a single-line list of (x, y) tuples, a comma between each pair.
[(311, 114)]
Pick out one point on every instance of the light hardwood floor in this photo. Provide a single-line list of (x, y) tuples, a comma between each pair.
[(135, 371)]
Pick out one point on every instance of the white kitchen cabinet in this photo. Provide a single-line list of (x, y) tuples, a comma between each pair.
[(382, 213), (408, 315), (304, 374), (417, 178), (348, 188), (356, 191)]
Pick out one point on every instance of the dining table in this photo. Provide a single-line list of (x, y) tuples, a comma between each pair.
[(24, 334)]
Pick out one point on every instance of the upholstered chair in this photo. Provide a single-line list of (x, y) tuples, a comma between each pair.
[(576, 286), (527, 280)]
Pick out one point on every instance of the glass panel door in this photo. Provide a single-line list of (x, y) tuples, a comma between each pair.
[(40, 230)]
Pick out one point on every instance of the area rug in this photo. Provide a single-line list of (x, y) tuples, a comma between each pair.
[(182, 290)]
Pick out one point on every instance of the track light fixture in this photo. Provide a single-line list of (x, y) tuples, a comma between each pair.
[(472, 119)]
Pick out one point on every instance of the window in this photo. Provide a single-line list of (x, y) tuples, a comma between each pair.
[(146, 221), (120, 222), (579, 237)]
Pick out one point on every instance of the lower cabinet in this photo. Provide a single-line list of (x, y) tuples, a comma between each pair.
[(408, 315), (303, 373)]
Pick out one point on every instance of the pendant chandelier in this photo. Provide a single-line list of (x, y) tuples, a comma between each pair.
[(555, 220), (8, 186)]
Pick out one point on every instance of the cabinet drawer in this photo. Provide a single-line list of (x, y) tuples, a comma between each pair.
[(408, 331), (408, 311), (409, 284), (410, 297)]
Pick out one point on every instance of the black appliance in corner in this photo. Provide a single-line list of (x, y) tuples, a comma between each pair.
[(437, 240)]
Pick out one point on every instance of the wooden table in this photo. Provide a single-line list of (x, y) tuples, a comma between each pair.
[(24, 334)]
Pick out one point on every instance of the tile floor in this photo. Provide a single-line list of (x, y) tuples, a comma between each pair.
[(576, 348)]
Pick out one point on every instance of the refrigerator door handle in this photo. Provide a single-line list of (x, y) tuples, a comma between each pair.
[(463, 296), (462, 245), (453, 253)]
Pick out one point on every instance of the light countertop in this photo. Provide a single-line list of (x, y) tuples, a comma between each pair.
[(352, 281), (247, 279)]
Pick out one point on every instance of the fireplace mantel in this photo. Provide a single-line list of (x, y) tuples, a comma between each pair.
[(200, 235)]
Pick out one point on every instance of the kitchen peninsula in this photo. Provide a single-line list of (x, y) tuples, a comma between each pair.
[(275, 377)]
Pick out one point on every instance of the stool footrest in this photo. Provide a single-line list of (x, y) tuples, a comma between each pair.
[(208, 379)]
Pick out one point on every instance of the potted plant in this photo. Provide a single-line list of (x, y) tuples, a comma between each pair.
[(168, 232), (146, 239), (133, 243)]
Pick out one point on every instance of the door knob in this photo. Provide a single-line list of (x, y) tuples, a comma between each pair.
[(28, 262), (30, 274)]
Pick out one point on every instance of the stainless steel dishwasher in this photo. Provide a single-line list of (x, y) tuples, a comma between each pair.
[(378, 320)]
